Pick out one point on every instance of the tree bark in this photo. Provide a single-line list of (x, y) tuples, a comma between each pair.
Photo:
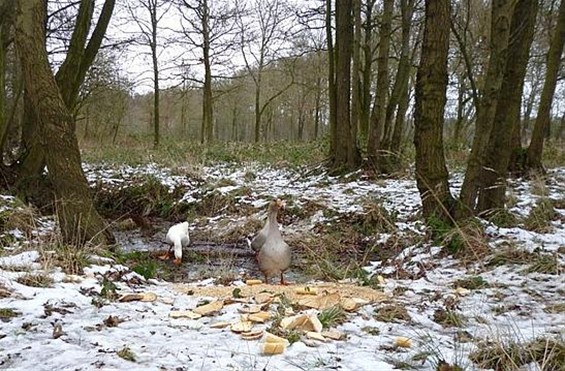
[(78, 219), (207, 104), (492, 188), (346, 155), (431, 86), (331, 80), (69, 78), (500, 34), (378, 116), (541, 127)]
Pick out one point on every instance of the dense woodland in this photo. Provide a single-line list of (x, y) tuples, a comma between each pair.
[(376, 80)]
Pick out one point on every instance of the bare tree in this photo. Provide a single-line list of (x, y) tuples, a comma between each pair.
[(378, 115), (149, 29), (346, 154), (208, 26), (492, 190), (431, 86), (500, 35), (78, 219), (541, 128), (263, 32)]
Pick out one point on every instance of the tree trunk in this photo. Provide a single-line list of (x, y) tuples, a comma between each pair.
[(492, 189), (356, 67), (346, 155), (431, 86), (393, 133), (541, 127), (331, 81), (78, 219), (207, 104), (69, 78), (500, 32), (378, 116), (367, 71)]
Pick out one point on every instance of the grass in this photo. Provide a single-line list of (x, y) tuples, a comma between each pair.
[(549, 354), (540, 217), (332, 316), (35, 280), (449, 318), (466, 240), (173, 153), (471, 283), (6, 314), (126, 353), (392, 313)]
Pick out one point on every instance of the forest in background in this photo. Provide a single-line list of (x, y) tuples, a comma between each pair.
[(367, 77)]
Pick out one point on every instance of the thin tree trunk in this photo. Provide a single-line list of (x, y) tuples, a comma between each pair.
[(78, 219), (367, 71), (347, 154), (500, 33), (378, 116), (541, 127), (431, 86), (492, 189), (331, 81)]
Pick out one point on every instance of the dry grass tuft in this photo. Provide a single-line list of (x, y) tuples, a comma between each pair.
[(35, 280), (547, 353)]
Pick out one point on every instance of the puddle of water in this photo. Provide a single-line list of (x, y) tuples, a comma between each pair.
[(204, 259)]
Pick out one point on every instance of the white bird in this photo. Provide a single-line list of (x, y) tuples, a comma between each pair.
[(273, 254), (177, 237)]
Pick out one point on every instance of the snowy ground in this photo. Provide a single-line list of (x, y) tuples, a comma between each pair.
[(511, 305)]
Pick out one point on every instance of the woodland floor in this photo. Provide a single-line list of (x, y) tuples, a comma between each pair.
[(485, 295)]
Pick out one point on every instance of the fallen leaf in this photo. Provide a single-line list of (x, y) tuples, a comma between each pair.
[(253, 282)]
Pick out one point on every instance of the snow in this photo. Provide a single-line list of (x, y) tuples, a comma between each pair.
[(512, 306)]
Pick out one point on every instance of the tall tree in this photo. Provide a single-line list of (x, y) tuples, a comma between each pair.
[(70, 76), (501, 16), (507, 118), (332, 93), (431, 86), (155, 10), (541, 127), (208, 26), (78, 219), (262, 43), (392, 133), (378, 115), (346, 154)]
